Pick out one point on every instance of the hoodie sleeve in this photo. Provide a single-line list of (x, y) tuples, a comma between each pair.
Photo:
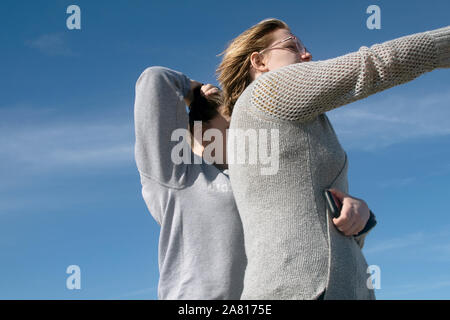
[(159, 111)]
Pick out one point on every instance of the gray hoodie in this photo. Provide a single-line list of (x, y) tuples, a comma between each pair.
[(201, 245)]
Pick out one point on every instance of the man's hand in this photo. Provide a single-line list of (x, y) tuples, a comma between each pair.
[(354, 213), (209, 90), (206, 90)]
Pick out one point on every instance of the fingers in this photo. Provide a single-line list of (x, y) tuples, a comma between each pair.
[(349, 222), (349, 228), (355, 228), (354, 213), (209, 89), (338, 193), (345, 221)]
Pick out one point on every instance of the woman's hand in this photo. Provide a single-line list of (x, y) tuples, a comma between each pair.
[(354, 213)]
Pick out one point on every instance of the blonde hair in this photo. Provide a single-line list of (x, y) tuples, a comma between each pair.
[(233, 72)]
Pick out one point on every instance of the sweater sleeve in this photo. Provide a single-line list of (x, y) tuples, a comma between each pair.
[(159, 110), (302, 91)]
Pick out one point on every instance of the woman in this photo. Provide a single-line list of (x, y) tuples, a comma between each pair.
[(295, 250), (201, 248)]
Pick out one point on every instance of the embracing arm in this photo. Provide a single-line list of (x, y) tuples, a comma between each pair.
[(160, 109), (302, 91)]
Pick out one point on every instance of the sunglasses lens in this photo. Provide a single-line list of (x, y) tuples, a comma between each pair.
[(295, 45), (301, 48), (292, 43)]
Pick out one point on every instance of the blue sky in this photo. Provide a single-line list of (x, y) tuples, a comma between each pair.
[(69, 188)]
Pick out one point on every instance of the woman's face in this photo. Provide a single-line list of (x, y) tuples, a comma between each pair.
[(284, 51)]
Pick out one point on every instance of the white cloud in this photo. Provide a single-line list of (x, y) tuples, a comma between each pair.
[(396, 243), (378, 123), (43, 146), (397, 183), (415, 287), (426, 241), (51, 44)]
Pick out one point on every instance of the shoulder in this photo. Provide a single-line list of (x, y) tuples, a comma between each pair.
[(245, 98)]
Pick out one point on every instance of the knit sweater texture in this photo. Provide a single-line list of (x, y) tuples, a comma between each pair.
[(294, 251)]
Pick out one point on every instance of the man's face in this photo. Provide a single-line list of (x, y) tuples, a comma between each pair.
[(220, 122)]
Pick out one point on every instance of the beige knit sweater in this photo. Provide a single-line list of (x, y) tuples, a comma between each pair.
[(294, 251)]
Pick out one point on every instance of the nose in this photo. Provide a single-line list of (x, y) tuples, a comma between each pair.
[(306, 56)]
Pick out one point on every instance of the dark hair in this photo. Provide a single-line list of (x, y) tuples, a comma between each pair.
[(203, 108)]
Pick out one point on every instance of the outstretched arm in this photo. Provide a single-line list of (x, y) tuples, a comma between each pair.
[(302, 91)]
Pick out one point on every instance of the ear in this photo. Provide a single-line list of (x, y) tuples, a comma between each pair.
[(258, 62)]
